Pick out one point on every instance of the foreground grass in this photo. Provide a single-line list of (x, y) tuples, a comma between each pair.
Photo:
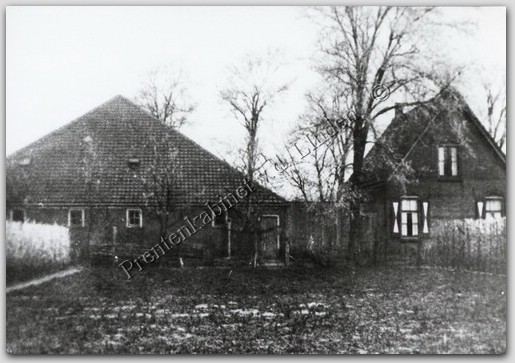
[(164, 310)]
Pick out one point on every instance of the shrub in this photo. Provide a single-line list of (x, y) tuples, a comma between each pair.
[(33, 249)]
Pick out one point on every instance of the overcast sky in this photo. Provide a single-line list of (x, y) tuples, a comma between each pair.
[(63, 61)]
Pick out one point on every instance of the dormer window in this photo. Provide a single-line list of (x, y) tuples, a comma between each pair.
[(448, 161), (134, 162)]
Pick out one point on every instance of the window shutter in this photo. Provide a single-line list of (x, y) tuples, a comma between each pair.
[(425, 217), (480, 211), (395, 217)]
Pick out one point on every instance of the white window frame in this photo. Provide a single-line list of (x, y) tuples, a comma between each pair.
[(401, 211), (278, 225), (127, 220), (24, 214), (83, 219), (492, 198)]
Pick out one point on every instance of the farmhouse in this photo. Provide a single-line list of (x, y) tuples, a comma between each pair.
[(98, 173), (433, 163)]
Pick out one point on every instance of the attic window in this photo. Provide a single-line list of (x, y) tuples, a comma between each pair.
[(448, 161), (24, 162)]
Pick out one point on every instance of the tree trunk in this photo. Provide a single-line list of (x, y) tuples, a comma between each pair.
[(354, 229), (360, 134), (164, 226)]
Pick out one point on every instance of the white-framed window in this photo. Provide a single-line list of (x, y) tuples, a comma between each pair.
[(493, 207), (448, 160), (134, 218), (409, 217), (76, 217), (18, 215)]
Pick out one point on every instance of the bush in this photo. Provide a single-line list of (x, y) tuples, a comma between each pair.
[(34, 249)]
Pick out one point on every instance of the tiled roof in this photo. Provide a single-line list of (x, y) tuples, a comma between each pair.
[(101, 142)]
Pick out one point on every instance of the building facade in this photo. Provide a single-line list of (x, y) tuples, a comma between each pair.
[(434, 163)]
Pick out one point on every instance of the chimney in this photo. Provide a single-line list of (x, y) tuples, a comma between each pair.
[(398, 109)]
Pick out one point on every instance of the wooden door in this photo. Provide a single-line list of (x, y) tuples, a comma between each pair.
[(270, 242)]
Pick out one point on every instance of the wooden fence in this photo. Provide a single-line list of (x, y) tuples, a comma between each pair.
[(315, 228), (470, 244)]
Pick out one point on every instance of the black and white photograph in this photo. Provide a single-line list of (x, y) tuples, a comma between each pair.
[(255, 180)]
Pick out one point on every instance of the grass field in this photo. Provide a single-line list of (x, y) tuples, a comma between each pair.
[(165, 310)]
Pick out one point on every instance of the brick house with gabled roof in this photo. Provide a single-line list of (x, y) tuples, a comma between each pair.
[(88, 175), (436, 162)]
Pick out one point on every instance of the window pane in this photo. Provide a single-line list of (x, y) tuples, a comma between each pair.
[(454, 161), (414, 217), (441, 161), (413, 205), (134, 218), (404, 217), (493, 205), (415, 229), (405, 204), (404, 230)]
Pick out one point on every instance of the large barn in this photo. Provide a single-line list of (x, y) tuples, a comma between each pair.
[(97, 175)]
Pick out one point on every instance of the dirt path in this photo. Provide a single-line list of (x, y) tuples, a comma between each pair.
[(42, 280)]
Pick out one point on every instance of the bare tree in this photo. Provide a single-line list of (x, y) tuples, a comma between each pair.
[(367, 55), (165, 96), (320, 141), (496, 112), (253, 86), (160, 180)]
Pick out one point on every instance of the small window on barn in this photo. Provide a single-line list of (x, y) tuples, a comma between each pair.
[(18, 215), (76, 217), (134, 218), (493, 207), (219, 221), (448, 161)]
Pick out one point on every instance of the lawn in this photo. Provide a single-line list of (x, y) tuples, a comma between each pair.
[(289, 310)]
